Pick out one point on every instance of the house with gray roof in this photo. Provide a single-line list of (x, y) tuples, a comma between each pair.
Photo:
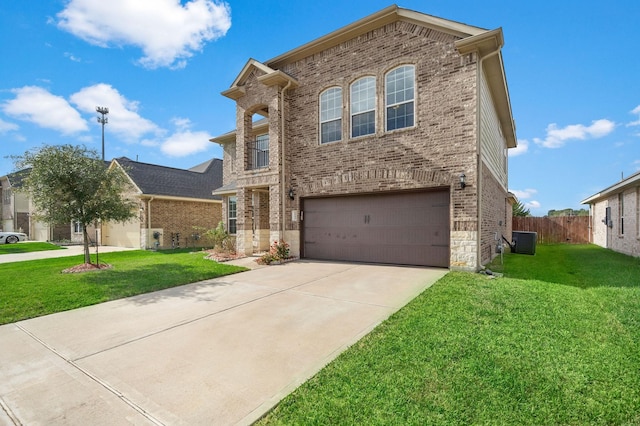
[(176, 205), (615, 216)]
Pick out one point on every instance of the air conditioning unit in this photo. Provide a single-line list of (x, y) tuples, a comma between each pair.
[(524, 242)]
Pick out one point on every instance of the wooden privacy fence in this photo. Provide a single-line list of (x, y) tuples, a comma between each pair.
[(559, 229)]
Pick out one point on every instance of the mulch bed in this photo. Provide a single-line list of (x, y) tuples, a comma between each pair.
[(87, 267), (219, 256)]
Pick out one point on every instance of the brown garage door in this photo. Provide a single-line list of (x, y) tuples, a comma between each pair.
[(410, 228)]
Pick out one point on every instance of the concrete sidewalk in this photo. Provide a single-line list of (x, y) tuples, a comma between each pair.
[(75, 250), (216, 352)]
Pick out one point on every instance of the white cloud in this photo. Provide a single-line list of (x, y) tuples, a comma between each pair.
[(167, 31), (522, 148), (37, 105), (5, 126), (635, 111), (533, 204), (524, 194), (123, 116), (557, 137), (185, 142)]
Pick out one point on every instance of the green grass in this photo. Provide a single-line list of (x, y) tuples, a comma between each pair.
[(27, 247), (555, 341), (35, 288)]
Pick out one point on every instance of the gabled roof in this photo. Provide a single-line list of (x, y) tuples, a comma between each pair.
[(15, 179), (630, 182), (269, 76), (154, 180), (487, 44), (385, 16)]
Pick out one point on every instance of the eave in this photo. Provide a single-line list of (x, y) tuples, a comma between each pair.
[(630, 182), (488, 47), (386, 16)]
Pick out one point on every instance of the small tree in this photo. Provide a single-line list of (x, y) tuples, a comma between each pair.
[(520, 210), (70, 183)]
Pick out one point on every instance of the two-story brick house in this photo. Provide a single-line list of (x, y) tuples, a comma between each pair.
[(384, 141)]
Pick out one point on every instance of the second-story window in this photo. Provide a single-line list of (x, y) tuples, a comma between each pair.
[(363, 107), (331, 115), (399, 97), (259, 152)]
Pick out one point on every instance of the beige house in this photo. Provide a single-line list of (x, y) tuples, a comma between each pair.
[(615, 216), (176, 205), (17, 213), (384, 141)]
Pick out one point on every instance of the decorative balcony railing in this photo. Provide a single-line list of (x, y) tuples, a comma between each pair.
[(258, 153)]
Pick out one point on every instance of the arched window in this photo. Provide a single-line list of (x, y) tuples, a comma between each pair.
[(331, 115), (363, 107), (399, 97)]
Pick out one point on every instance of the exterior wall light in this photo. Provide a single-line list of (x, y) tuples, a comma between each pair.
[(463, 181), (292, 194)]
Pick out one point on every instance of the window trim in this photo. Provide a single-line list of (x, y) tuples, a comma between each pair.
[(337, 119), (367, 111), (386, 94), (232, 199)]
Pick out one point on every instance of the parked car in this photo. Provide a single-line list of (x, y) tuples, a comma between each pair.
[(12, 237)]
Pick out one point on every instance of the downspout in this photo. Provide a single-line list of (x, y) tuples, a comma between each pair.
[(479, 154), (149, 221), (283, 189)]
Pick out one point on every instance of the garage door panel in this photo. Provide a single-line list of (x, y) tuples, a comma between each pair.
[(403, 228)]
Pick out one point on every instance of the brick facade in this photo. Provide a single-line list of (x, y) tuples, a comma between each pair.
[(442, 144), (186, 218)]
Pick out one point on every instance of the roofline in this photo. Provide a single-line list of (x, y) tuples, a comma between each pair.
[(231, 136), (614, 189), (124, 170), (371, 22), (172, 198), (488, 45)]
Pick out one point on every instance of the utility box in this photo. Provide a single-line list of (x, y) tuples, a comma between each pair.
[(524, 242)]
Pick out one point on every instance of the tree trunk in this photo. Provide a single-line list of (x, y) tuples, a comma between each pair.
[(85, 236)]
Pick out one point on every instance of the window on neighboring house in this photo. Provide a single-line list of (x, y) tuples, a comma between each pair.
[(231, 214), (331, 115), (77, 227), (399, 97), (363, 107), (621, 212)]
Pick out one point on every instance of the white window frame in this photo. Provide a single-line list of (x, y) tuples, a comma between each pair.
[(363, 101), (395, 103), (232, 218), (330, 113)]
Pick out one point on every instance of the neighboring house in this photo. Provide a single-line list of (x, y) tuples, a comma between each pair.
[(615, 216), (17, 212), (384, 141), (176, 205)]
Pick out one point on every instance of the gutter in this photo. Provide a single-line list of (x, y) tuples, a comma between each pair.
[(479, 153)]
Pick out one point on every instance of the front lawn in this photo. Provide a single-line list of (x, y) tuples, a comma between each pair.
[(27, 247), (555, 341), (34, 288)]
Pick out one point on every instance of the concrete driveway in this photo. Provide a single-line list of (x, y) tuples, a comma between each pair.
[(221, 351)]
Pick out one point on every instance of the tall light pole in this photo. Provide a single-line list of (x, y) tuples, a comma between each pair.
[(102, 120)]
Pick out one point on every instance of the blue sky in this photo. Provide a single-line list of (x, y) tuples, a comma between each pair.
[(159, 65)]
